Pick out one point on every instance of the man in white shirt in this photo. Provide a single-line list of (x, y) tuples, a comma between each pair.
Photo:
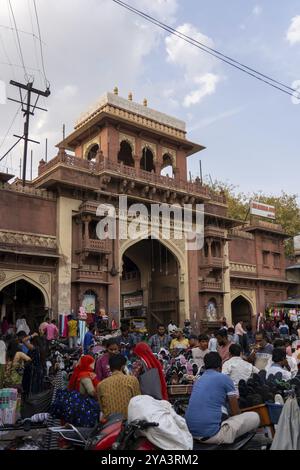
[(236, 368), (213, 343), (292, 364), (200, 351), (279, 364), (239, 331)]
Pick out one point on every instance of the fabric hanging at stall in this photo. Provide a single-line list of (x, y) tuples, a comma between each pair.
[(63, 325), (82, 327)]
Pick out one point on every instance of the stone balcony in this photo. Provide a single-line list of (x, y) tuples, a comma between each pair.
[(211, 286), (249, 269), (97, 246), (94, 277), (118, 170), (214, 232), (212, 262)]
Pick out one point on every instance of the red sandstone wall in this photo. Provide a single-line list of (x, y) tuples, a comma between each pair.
[(193, 262), (242, 250), (27, 213)]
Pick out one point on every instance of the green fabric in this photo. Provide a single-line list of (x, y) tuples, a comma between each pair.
[(12, 377)]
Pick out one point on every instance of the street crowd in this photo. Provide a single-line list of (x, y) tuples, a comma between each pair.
[(233, 368)]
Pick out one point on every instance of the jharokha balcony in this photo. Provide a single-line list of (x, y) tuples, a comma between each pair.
[(96, 277), (110, 170), (212, 262), (97, 246), (211, 286)]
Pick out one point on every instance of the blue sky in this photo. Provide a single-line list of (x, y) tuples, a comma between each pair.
[(250, 130)]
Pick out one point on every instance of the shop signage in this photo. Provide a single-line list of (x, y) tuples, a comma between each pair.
[(132, 301), (263, 210)]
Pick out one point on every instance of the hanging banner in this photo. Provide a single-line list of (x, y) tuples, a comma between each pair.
[(89, 304), (132, 301), (263, 210)]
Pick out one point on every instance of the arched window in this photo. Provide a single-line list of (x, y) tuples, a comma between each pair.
[(216, 249), (91, 156), (206, 250), (167, 166), (147, 160), (125, 154)]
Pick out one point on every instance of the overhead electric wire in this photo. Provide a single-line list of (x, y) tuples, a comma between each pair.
[(234, 63), (16, 65), (35, 38), (41, 46), (19, 42), (7, 56), (10, 126), (19, 30)]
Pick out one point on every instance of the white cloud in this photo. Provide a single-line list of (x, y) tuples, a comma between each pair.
[(98, 46), (257, 10), (207, 86), (198, 66), (218, 117), (293, 33)]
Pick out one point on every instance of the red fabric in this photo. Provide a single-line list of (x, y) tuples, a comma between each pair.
[(83, 370), (144, 351)]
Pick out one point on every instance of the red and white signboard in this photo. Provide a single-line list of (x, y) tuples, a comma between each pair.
[(132, 301), (263, 210), (297, 243)]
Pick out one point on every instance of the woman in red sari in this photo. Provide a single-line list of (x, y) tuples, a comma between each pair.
[(149, 361), (84, 379)]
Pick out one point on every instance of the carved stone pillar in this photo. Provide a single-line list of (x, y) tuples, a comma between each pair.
[(209, 243), (136, 162)]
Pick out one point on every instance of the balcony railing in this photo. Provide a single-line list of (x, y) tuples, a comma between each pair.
[(101, 246), (97, 277), (129, 276), (175, 184), (211, 286), (213, 262), (215, 232)]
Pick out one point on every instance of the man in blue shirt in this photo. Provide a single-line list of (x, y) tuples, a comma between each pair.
[(207, 413), (126, 341), (88, 339)]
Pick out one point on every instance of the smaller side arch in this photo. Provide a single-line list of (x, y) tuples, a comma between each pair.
[(241, 308), (30, 281)]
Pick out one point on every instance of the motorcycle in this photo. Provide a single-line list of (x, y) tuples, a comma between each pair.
[(118, 434)]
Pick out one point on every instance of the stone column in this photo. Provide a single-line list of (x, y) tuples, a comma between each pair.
[(65, 208), (209, 242), (226, 284)]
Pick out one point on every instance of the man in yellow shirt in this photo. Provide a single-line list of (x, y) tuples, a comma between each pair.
[(179, 342), (115, 392), (72, 332)]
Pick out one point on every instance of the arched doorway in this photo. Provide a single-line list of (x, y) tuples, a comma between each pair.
[(125, 153), (241, 310), (147, 160), (91, 155), (149, 286), (167, 166), (23, 298)]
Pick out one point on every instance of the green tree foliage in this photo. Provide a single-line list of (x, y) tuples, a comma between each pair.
[(286, 205)]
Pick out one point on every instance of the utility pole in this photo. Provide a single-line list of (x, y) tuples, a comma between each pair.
[(26, 108), (31, 165)]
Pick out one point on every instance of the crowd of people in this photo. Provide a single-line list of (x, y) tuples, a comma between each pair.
[(214, 364)]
